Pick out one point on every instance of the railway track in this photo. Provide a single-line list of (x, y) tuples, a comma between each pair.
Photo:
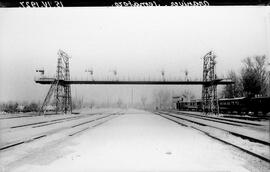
[(11, 117), (71, 130), (201, 127), (29, 115), (50, 122), (220, 120), (203, 122)]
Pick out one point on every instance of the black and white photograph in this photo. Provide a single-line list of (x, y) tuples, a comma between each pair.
[(134, 87)]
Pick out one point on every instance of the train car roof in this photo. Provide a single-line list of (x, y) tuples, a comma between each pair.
[(196, 100), (176, 97), (237, 98), (260, 97)]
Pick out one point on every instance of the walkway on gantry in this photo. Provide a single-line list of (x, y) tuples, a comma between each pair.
[(135, 82)]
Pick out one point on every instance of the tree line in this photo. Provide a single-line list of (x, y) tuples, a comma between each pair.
[(253, 80), (17, 107), (14, 107)]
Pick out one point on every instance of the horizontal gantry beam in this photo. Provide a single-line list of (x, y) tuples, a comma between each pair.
[(119, 82)]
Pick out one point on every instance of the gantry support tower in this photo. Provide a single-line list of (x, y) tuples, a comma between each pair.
[(209, 90), (59, 87)]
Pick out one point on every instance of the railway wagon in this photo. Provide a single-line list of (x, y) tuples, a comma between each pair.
[(193, 105), (182, 105), (245, 105), (240, 105), (260, 104), (233, 105)]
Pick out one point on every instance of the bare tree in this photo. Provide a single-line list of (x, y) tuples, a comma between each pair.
[(32, 107), (188, 95), (162, 99), (10, 107), (143, 100), (92, 104), (233, 90), (255, 76), (268, 82), (119, 103), (77, 103)]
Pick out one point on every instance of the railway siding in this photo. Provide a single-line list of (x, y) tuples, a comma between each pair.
[(8, 136), (254, 148), (263, 136), (255, 123), (15, 120)]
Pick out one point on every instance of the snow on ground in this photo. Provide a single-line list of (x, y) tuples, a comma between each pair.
[(262, 122), (247, 131), (9, 136), (12, 135), (6, 123), (136, 141)]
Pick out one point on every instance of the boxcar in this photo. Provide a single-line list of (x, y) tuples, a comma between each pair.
[(233, 105), (260, 104)]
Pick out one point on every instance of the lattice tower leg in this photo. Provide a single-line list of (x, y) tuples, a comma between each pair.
[(209, 92), (48, 97)]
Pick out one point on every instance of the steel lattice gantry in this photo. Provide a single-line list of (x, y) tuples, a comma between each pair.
[(60, 85)]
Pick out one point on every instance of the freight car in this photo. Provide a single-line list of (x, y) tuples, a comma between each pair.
[(240, 105), (193, 105), (233, 105)]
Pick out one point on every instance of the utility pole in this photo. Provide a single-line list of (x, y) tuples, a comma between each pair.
[(163, 75), (132, 97), (91, 72)]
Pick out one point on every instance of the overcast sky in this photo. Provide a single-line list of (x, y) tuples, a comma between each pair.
[(138, 42)]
